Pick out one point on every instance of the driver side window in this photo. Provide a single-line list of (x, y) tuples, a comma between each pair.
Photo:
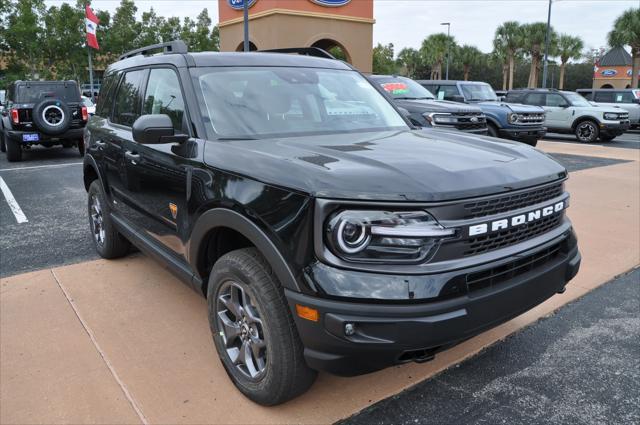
[(163, 96), (556, 100)]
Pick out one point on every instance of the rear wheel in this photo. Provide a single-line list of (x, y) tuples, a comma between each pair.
[(253, 330), (14, 150), (108, 241), (587, 131), (492, 130)]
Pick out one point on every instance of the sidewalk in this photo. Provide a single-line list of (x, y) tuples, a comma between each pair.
[(125, 342)]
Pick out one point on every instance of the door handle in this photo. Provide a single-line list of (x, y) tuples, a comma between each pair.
[(133, 157), (99, 144)]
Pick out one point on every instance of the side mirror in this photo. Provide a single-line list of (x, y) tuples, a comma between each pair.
[(564, 105), (155, 129)]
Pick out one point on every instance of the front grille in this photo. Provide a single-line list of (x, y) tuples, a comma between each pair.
[(511, 202), (496, 275), (514, 235), (530, 119)]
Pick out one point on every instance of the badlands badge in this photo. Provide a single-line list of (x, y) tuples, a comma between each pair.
[(174, 210)]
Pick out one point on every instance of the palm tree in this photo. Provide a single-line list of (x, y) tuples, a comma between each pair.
[(626, 31), (534, 35), (434, 50), (499, 56), (569, 47), (411, 61), (468, 56), (510, 36)]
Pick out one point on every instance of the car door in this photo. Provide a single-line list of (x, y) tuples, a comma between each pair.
[(559, 111), (160, 175)]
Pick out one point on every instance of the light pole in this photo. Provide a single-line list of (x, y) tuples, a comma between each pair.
[(245, 10), (448, 24), (546, 48)]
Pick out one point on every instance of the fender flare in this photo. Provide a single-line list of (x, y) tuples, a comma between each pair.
[(492, 120), (222, 217), (581, 118), (89, 161)]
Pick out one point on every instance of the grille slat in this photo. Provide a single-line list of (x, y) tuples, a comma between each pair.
[(511, 202)]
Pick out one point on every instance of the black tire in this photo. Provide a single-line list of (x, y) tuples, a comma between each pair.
[(587, 131), (492, 130), (530, 142), (107, 240), (81, 147), (607, 138), (3, 146), (14, 150), (51, 116), (284, 374)]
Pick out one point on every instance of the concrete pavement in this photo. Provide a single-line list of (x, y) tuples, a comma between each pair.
[(123, 341)]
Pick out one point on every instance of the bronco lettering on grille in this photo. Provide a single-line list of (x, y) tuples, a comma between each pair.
[(505, 223)]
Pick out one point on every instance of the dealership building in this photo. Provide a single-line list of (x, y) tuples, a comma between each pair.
[(613, 70), (345, 25)]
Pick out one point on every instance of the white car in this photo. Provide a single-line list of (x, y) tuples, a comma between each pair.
[(627, 99), (568, 112), (91, 107)]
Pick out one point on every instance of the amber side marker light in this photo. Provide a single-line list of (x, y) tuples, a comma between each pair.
[(307, 312)]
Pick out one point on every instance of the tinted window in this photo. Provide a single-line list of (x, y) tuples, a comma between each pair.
[(31, 93), (478, 92), (605, 97), (105, 99), (538, 99), (127, 105), (514, 97), (555, 100), (163, 96), (403, 88), (447, 92)]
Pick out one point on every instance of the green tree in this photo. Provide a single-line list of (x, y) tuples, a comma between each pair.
[(499, 57), (63, 53), (569, 47), (434, 50), (510, 36), (150, 28), (170, 29), (626, 31), (124, 28), (534, 35), (468, 56), (24, 34), (411, 61), (383, 62)]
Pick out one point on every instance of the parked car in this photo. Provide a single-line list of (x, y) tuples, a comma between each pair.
[(88, 92), (627, 99), (324, 229), (568, 112), (88, 103), (43, 113), (517, 122), (425, 111)]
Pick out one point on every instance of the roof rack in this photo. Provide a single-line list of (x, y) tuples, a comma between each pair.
[(170, 47), (306, 51)]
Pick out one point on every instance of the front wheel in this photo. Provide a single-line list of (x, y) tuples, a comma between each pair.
[(492, 130), (253, 330), (587, 131), (107, 240)]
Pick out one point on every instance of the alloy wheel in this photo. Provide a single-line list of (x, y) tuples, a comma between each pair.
[(242, 330), (53, 115), (586, 132), (97, 219)]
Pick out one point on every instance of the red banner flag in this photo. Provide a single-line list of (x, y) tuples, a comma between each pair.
[(91, 25)]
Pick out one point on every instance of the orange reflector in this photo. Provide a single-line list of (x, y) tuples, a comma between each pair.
[(307, 312)]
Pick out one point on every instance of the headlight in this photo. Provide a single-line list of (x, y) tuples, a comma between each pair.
[(610, 116), (441, 118), (513, 118), (384, 236)]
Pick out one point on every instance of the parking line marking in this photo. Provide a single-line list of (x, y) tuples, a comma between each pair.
[(13, 204), (40, 166)]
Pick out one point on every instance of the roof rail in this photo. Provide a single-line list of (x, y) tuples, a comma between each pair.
[(170, 47), (306, 51)]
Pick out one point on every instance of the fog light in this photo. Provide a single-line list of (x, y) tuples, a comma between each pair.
[(349, 329)]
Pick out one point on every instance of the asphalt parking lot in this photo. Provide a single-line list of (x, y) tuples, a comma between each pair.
[(136, 300)]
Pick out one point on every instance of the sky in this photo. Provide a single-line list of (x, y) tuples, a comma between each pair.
[(405, 23)]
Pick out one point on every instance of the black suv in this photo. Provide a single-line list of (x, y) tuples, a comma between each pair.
[(325, 231), (43, 113), (425, 111)]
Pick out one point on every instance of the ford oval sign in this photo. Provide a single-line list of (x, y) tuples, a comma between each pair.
[(331, 3), (609, 72), (239, 4)]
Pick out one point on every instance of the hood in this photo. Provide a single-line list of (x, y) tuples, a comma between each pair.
[(512, 107), (412, 165), (423, 105)]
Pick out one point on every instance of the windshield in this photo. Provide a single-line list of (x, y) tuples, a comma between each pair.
[(404, 88), (33, 92), (478, 92), (260, 102), (576, 99)]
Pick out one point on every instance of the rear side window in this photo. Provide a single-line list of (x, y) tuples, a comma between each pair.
[(605, 97), (514, 97), (164, 96), (105, 99), (537, 99), (32, 93), (127, 105), (446, 92)]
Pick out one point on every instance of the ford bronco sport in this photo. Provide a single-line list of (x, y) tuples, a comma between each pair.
[(43, 113), (568, 112), (325, 232)]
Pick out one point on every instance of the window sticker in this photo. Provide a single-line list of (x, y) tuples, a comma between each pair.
[(396, 88)]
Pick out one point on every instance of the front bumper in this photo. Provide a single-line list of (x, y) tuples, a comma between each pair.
[(614, 129), (392, 333), (71, 134), (535, 133)]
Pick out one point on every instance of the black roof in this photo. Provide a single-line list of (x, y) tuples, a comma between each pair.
[(220, 59), (618, 56)]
